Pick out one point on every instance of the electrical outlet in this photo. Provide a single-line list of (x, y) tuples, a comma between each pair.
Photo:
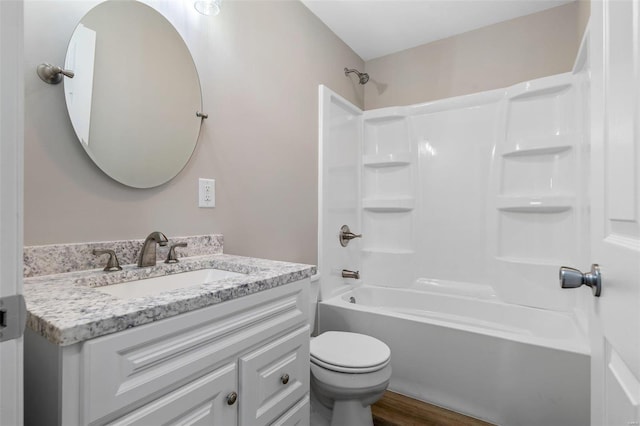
[(206, 192)]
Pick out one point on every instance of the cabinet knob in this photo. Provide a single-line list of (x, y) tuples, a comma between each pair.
[(284, 379), (232, 398)]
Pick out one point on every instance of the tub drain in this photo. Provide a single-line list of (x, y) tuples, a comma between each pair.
[(352, 299)]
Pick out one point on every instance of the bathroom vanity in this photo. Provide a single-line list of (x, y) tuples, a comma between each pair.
[(230, 351)]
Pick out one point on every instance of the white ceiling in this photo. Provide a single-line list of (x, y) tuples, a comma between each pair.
[(374, 28)]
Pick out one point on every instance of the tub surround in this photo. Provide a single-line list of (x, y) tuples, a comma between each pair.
[(496, 337), (514, 156), (66, 308)]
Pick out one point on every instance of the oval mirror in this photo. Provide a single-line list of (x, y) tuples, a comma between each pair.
[(135, 94)]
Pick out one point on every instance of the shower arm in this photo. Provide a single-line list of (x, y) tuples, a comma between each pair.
[(347, 71), (363, 77)]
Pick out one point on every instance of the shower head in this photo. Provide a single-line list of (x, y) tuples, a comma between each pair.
[(362, 76)]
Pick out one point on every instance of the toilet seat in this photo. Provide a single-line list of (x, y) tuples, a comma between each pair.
[(350, 370), (346, 352)]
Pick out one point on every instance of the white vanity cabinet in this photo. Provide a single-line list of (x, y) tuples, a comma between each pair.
[(241, 362)]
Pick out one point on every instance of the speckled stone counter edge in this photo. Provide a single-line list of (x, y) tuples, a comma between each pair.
[(69, 308), (61, 258)]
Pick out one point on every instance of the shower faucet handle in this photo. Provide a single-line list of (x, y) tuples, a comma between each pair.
[(52, 74), (346, 235)]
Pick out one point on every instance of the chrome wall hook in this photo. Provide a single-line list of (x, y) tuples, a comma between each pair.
[(202, 115), (53, 74)]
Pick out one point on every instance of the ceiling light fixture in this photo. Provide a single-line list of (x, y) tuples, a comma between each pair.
[(209, 8)]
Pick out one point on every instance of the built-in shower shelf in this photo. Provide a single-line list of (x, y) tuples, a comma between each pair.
[(524, 151), (536, 89), (533, 204), (388, 205), (387, 160), (385, 114)]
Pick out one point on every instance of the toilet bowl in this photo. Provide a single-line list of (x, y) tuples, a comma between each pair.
[(349, 372)]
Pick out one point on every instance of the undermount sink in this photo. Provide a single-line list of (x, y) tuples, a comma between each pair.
[(151, 286)]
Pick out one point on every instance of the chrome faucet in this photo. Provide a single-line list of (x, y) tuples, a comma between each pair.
[(147, 255), (350, 274)]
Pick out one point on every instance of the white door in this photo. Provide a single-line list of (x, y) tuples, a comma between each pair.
[(11, 163), (615, 211)]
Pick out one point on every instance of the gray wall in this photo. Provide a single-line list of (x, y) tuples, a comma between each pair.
[(492, 57), (260, 64)]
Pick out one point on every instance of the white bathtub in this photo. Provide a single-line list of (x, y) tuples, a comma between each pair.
[(506, 364)]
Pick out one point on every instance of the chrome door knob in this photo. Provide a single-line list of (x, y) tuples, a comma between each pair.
[(573, 278)]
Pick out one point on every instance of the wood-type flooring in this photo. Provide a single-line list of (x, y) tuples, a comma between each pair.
[(394, 409)]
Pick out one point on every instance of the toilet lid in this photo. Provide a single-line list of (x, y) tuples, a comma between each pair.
[(349, 352)]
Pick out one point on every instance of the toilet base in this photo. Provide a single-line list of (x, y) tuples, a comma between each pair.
[(349, 395), (351, 413)]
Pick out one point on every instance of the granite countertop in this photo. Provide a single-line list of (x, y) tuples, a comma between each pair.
[(67, 308)]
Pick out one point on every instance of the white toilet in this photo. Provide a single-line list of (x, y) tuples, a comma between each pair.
[(349, 372)]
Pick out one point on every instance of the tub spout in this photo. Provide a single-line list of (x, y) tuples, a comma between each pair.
[(350, 274)]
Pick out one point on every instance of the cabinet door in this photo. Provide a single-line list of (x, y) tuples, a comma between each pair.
[(273, 378), (201, 402), (298, 415)]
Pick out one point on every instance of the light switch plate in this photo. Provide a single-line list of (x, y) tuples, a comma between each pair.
[(206, 192)]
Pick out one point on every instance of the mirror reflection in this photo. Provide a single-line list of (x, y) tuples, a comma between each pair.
[(135, 94)]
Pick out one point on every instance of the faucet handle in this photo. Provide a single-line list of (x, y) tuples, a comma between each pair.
[(112, 263), (346, 235), (172, 257)]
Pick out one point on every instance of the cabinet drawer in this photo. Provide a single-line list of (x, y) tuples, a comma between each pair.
[(131, 368), (298, 415), (201, 402), (264, 395)]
